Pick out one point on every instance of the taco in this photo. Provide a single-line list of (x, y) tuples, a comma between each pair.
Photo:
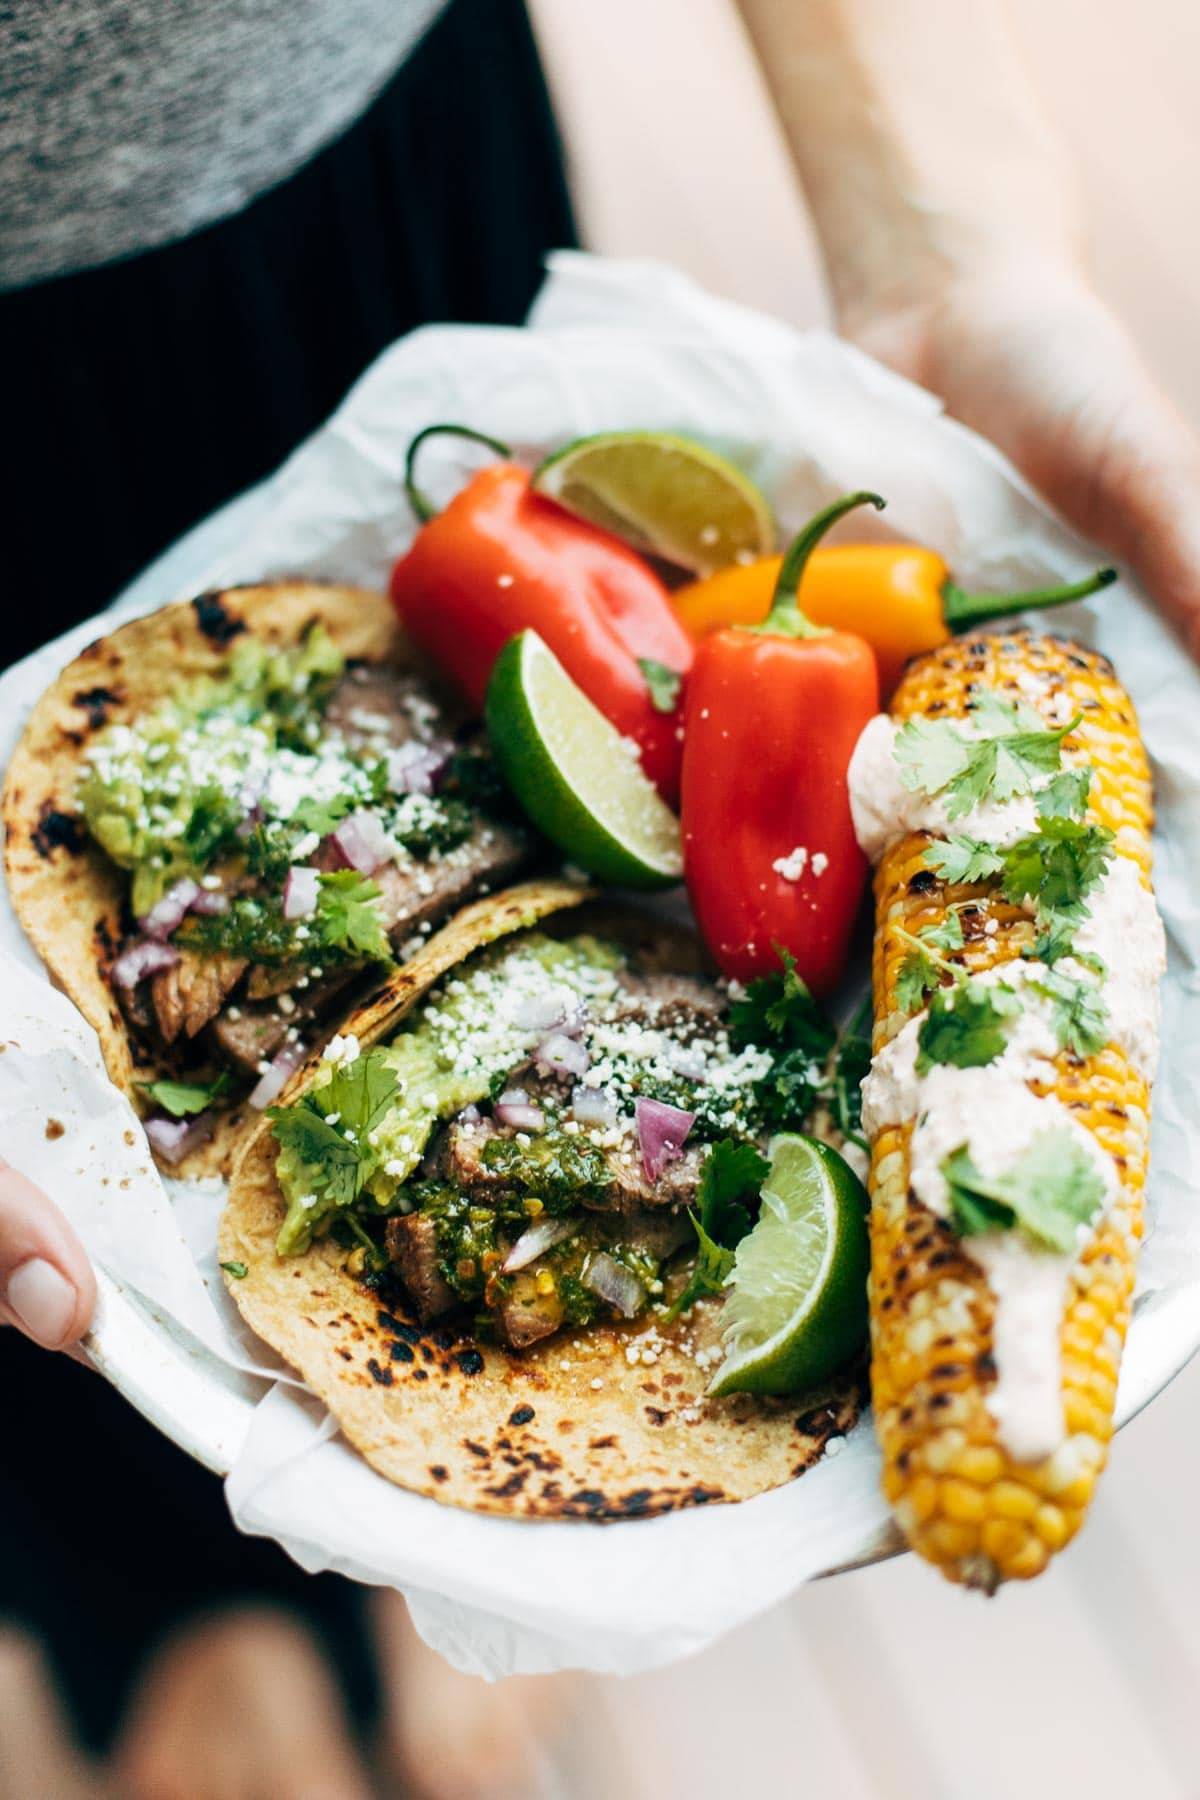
[(227, 819), (470, 1227)]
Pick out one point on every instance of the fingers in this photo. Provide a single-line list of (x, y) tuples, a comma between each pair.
[(47, 1288)]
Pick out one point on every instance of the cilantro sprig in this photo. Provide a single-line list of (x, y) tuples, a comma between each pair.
[(328, 1131), (1051, 1189), (183, 1099), (937, 758), (733, 1176), (966, 1025), (1078, 1010), (923, 967), (778, 1012)]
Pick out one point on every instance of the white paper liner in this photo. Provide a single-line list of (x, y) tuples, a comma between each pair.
[(610, 345)]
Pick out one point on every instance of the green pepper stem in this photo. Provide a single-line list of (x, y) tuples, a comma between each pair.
[(785, 618), (420, 502), (960, 609)]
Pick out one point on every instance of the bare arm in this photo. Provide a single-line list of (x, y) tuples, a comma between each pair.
[(955, 248)]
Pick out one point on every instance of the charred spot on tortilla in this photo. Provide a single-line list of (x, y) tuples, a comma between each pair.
[(96, 702), (206, 949), (521, 1415), (56, 830), (215, 620)]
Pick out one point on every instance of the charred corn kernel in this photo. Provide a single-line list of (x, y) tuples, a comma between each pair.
[(356, 1262), (960, 1498), (544, 1282), (533, 1206)]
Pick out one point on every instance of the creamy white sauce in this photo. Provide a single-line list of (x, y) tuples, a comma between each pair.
[(1029, 1287), (991, 1111), (883, 809), (1124, 927)]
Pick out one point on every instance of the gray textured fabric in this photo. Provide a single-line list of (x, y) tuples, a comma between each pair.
[(130, 123)]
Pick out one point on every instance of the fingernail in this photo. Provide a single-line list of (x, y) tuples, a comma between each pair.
[(43, 1300)]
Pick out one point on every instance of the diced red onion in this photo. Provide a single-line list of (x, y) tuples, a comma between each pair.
[(211, 902), (593, 1106), (147, 957), (274, 1079), (608, 1278), (168, 912), (362, 843), (300, 892), (563, 1054), (535, 1242), (176, 1138), (470, 1115), (662, 1131), (513, 1108), (415, 768)]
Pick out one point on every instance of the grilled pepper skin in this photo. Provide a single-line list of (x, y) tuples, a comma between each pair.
[(771, 718), (899, 597), (501, 559)]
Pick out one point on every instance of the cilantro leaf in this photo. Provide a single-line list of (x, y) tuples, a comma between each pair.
[(710, 1272), (966, 1025), (1079, 1011), (923, 967), (963, 859), (849, 1072), (934, 755), (1053, 941), (930, 754), (664, 684), (1052, 1189), (327, 1131), (1066, 796), (322, 816), (781, 1007), (347, 917), (733, 1173), (238, 1270), (183, 1098), (1057, 867)]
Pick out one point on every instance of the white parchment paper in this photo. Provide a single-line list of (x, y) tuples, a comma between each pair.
[(609, 345)]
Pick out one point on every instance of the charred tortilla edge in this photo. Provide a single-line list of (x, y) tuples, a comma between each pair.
[(600, 1424)]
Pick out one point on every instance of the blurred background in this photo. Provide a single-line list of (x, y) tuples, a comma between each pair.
[(886, 1684)]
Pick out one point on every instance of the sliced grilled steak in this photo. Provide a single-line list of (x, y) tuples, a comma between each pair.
[(420, 893), (191, 993), (412, 1245), (249, 1032), (685, 1005), (380, 708), (524, 1315)]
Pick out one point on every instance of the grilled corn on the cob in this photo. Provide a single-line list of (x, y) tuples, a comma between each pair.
[(962, 1497)]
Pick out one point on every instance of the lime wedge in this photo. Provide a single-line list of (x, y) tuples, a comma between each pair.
[(576, 776), (797, 1299), (663, 494)]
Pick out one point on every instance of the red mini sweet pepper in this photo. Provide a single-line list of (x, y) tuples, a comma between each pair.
[(502, 559), (772, 715)]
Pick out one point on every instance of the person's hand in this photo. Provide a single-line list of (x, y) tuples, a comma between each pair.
[(47, 1289), (1035, 361)]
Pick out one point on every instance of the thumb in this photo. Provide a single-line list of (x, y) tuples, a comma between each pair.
[(47, 1288)]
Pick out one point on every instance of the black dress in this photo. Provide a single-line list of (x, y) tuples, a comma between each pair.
[(144, 394)]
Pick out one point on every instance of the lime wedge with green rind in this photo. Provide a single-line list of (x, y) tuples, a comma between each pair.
[(796, 1305), (664, 494), (578, 779)]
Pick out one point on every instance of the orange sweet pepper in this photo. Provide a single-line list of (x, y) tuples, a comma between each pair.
[(899, 597)]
